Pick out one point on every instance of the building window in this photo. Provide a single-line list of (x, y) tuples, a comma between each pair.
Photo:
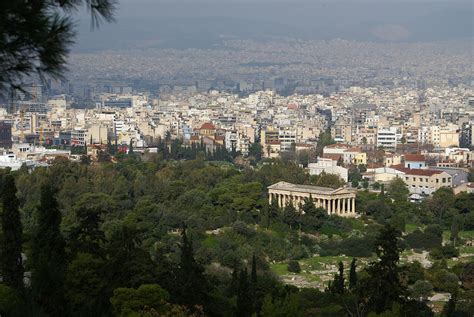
[(444, 180)]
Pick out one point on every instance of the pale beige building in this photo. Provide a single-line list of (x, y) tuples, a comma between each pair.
[(339, 201), (448, 137), (425, 181)]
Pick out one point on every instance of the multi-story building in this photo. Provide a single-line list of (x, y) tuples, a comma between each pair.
[(342, 132), (387, 138), (5, 135), (328, 166), (426, 181), (287, 138)]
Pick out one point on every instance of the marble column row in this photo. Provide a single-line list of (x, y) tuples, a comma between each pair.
[(339, 205)]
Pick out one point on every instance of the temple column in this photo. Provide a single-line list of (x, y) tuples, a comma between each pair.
[(330, 208), (353, 205), (338, 206)]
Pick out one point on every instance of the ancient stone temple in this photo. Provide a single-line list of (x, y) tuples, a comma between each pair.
[(340, 201)]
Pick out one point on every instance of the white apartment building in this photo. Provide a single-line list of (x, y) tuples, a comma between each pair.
[(78, 137), (434, 136), (387, 138), (328, 166), (286, 138), (424, 135), (231, 139)]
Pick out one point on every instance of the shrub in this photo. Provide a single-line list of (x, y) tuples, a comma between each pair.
[(423, 240), (421, 289), (294, 267)]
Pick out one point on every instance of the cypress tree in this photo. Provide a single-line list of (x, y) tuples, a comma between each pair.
[(234, 283), (192, 284), (11, 244), (383, 288), (253, 285), (353, 275), (48, 256), (254, 270), (339, 282), (130, 148), (244, 300)]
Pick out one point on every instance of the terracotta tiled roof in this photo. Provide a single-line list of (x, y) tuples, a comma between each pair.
[(414, 158), (353, 149), (421, 172), (374, 165), (416, 172), (338, 146), (334, 157), (208, 126)]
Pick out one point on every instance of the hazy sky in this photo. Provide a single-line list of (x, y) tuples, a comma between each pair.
[(202, 23)]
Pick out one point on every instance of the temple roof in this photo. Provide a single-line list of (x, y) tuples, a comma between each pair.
[(309, 188)]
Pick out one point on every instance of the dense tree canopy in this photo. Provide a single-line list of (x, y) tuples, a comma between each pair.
[(111, 231)]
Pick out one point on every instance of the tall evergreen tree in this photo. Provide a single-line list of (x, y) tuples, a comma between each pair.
[(272, 211), (338, 284), (244, 300), (110, 147), (254, 270), (130, 148), (290, 215), (234, 283), (383, 288), (253, 284), (128, 264), (353, 275), (48, 256), (11, 244), (192, 284), (382, 192), (87, 236)]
